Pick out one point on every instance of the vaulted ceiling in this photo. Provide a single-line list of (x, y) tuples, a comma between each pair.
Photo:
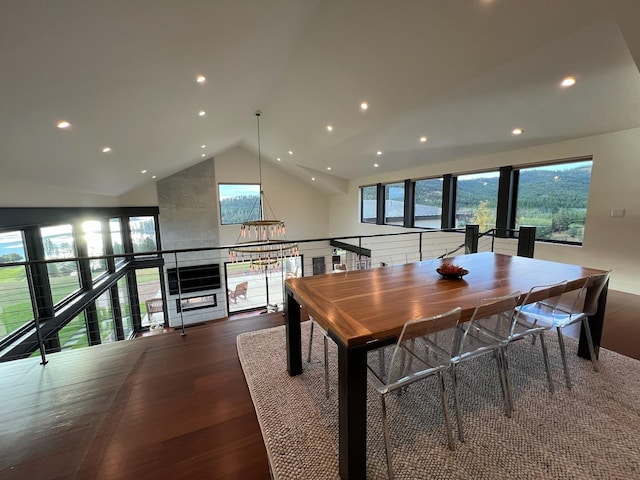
[(462, 73)]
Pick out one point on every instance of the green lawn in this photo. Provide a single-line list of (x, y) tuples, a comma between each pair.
[(15, 299)]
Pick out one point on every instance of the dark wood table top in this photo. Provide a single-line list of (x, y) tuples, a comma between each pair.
[(363, 305)]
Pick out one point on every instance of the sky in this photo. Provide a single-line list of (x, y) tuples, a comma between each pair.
[(228, 190)]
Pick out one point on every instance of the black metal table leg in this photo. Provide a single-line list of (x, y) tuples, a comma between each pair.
[(294, 340), (596, 322), (352, 407)]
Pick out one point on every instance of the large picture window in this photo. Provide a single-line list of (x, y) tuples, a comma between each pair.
[(71, 249), (553, 198), (477, 199), (239, 203), (428, 203)]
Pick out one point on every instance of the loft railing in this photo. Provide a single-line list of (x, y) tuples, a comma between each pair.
[(54, 305)]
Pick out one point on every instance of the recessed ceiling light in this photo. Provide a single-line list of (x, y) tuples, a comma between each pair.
[(329, 168), (568, 82), (290, 152), (423, 139), (329, 128), (201, 79), (203, 146), (154, 176), (517, 131), (376, 165), (203, 155), (364, 106), (63, 124), (278, 159), (379, 152), (313, 178), (143, 171), (202, 113), (106, 150)]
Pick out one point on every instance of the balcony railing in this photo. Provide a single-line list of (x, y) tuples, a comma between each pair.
[(45, 308)]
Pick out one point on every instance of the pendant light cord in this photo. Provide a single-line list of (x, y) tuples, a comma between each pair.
[(258, 113)]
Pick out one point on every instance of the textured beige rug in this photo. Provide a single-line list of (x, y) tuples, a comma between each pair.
[(590, 432)]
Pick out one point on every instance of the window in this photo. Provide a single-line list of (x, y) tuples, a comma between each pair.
[(254, 287), (239, 203), (115, 227), (148, 281), (428, 203), (58, 243), (95, 247), (553, 198), (105, 318), (125, 306), (143, 234), (15, 300), (394, 204), (477, 199), (74, 334), (368, 203)]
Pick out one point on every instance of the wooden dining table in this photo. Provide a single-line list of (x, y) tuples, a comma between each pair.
[(365, 309)]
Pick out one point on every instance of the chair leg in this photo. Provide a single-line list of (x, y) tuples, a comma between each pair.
[(563, 354), (382, 360), (326, 366), (501, 359), (310, 342), (592, 350), (445, 411), (545, 357), (387, 439), (456, 401)]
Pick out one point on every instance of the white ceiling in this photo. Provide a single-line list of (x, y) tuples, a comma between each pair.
[(462, 72)]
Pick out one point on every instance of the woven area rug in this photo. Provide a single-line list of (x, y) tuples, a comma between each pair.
[(589, 432)]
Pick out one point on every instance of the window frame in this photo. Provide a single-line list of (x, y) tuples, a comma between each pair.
[(255, 216), (362, 208), (506, 206), (516, 183), (415, 182)]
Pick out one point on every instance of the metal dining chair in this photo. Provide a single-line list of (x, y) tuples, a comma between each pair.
[(581, 308), (419, 353), (325, 339), (472, 342), (519, 326)]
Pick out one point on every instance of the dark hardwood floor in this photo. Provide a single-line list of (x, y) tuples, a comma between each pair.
[(162, 406)]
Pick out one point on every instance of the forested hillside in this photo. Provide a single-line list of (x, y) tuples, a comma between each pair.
[(239, 209)]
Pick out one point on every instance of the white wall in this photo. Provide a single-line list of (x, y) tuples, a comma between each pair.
[(304, 210), (146, 196), (609, 242), (16, 194)]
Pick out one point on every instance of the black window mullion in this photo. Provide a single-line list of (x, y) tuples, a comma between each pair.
[(449, 183), (82, 250), (117, 312), (409, 203), (380, 205), (505, 202), (93, 324), (513, 199)]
